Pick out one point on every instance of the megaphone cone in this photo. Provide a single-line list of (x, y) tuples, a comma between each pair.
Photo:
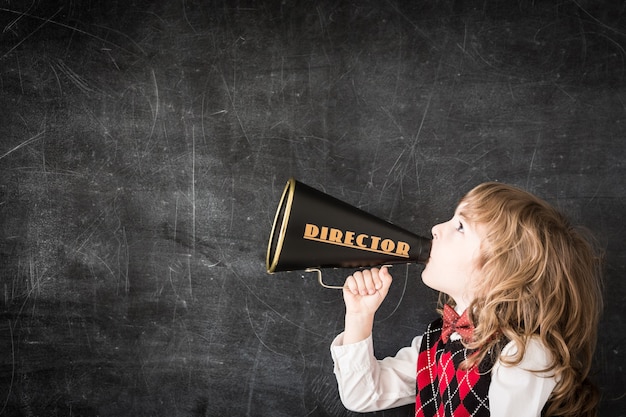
[(314, 230)]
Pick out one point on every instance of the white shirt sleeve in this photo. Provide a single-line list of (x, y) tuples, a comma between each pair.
[(516, 391), (367, 384)]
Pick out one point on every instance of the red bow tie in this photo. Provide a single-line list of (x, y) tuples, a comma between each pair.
[(452, 323)]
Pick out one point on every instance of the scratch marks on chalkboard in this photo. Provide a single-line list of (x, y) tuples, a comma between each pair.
[(35, 277), (264, 328), (231, 99), (258, 356), (252, 382), (414, 25), (155, 109), (189, 276), (179, 300), (596, 20), (74, 78), (8, 395), (197, 247), (24, 38), (89, 244), (285, 319), (193, 187), (406, 280), (532, 161), (27, 142), (51, 20), (124, 244), (324, 388), (397, 172), (232, 205)]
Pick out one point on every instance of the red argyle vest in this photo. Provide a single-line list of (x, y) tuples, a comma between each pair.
[(443, 388)]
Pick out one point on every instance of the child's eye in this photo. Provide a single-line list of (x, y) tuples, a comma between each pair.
[(460, 228)]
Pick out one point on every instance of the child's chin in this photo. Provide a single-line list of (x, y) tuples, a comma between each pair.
[(427, 279)]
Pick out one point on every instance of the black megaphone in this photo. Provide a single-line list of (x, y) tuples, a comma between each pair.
[(314, 230)]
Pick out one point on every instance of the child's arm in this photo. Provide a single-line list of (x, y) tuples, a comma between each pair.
[(367, 384), (363, 293)]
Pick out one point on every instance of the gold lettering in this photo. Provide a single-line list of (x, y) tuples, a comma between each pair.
[(335, 235), (352, 239), (349, 238), (403, 249), (311, 230), (387, 245)]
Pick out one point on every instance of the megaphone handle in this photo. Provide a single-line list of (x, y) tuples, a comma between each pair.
[(321, 281)]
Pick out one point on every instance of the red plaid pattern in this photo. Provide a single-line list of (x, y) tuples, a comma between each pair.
[(443, 388)]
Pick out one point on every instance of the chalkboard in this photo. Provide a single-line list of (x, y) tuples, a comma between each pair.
[(144, 146)]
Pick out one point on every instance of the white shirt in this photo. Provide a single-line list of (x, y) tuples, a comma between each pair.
[(367, 384)]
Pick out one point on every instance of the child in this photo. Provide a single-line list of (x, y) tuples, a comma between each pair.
[(527, 287)]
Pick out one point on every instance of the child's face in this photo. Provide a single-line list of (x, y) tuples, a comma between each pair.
[(453, 264)]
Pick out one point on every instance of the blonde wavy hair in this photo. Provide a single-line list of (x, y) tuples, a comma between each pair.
[(539, 277)]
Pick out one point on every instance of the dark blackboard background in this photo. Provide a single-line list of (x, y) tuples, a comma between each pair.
[(144, 146)]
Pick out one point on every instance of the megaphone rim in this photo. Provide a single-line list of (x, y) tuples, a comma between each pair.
[(272, 262)]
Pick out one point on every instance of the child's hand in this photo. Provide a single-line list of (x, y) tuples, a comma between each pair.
[(364, 291)]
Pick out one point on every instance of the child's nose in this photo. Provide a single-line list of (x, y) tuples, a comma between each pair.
[(434, 232)]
